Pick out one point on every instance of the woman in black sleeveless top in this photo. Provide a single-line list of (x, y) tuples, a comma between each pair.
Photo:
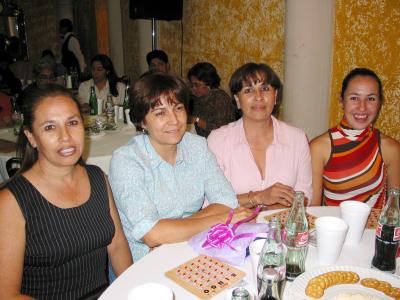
[(58, 219)]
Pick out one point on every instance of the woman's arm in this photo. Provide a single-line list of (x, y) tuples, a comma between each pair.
[(118, 251), (320, 152), (391, 157), (12, 247)]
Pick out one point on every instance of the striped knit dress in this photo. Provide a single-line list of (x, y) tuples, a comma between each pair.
[(65, 254), (355, 169)]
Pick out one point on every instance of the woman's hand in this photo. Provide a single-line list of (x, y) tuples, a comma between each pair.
[(239, 214), (277, 193)]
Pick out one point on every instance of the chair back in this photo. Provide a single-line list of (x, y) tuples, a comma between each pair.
[(12, 165)]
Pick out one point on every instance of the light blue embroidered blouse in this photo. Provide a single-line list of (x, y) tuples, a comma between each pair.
[(147, 189)]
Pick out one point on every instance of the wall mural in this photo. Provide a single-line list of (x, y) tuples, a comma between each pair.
[(227, 33), (367, 35)]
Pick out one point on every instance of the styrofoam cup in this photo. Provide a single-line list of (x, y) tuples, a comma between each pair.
[(151, 291), (331, 233), (128, 119), (355, 214)]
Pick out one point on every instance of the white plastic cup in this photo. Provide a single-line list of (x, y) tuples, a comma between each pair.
[(120, 113), (355, 214), (255, 248), (331, 233), (100, 103), (128, 119), (151, 291)]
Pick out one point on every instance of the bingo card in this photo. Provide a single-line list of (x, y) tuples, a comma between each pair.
[(205, 276)]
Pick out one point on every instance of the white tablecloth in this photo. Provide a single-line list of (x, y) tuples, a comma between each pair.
[(152, 267), (98, 150)]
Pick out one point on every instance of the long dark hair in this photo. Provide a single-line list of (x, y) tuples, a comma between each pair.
[(25, 152), (111, 74)]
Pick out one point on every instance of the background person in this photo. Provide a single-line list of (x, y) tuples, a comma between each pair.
[(264, 159), (157, 60), (212, 107), (71, 54), (105, 81), (354, 160), (160, 178), (58, 220)]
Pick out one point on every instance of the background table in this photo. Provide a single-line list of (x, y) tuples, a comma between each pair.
[(152, 267), (98, 150)]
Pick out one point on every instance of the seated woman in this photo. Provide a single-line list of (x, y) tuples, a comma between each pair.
[(161, 177), (212, 107), (58, 220), (354, 160), (265, 159), (43, 73), (105, 81)]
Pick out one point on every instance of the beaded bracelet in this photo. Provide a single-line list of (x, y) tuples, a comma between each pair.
[(250, 200)]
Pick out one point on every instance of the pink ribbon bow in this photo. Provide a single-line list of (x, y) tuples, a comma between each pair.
[(221, 235)]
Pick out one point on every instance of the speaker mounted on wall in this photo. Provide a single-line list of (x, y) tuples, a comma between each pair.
[(156, 9)]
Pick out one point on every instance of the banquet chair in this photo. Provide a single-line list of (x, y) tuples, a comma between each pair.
[(12, 166)]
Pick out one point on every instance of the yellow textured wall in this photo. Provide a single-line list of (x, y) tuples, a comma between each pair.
[(226, 33), (367, 34)]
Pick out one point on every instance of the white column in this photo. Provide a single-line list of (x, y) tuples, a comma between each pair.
[(308, 52), (115, 36), (145, 37)]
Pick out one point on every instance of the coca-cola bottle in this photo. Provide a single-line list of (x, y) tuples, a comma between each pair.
[(388, 234), (271, 267), (295, 238)]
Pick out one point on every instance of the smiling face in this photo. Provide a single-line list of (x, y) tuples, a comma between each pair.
[(361, 102), (165, 123), (256, 100), (57, 131)]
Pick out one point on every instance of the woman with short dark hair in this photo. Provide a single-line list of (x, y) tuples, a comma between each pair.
[(212, 107), (160, 178), (264, 159)]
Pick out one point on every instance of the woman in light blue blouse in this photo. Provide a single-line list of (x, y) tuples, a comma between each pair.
[(161, 178)]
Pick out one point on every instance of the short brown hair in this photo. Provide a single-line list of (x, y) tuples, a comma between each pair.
[(146, 93)]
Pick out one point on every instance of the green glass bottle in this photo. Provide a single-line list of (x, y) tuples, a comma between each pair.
[(93, 102)]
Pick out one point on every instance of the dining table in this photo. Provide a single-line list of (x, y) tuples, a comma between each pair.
[(153, 266), (97, 151)]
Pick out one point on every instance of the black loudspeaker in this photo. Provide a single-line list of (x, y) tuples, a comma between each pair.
[(155, 9)]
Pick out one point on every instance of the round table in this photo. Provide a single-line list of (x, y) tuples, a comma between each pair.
[(98, 149), (152, 267)]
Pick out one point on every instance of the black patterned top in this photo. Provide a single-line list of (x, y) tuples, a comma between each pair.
[(65, 252)]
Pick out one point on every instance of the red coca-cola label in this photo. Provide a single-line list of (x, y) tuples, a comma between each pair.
[(396, 234), (379, 230), (302, 239)]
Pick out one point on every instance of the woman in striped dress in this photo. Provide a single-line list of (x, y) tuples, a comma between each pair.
[(58, 220), (354, 160)]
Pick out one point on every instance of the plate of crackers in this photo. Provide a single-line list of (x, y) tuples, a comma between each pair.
[(345, 282)]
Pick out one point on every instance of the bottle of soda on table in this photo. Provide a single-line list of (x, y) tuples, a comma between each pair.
[(295, 237), (93, 102), (272, 267), (110, 112), (388, 234), (125, 104)]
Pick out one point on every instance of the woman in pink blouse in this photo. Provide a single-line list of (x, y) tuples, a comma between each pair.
[(265, 159)]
